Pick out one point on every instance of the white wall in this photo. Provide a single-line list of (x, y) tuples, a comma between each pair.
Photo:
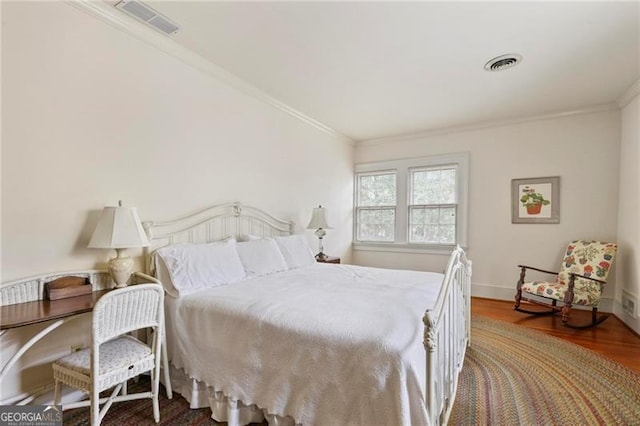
[(92, 115), (582, 149), (629, 211)]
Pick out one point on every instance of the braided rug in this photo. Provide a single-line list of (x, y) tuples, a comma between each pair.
[(517, 376)]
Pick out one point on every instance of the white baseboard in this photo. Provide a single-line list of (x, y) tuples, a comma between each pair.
[(490, 291), (68, 396), (43, 395)]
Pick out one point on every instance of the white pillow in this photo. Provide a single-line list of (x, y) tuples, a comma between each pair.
[(197, 266), (261, 257), (162, 273), (296, 251)]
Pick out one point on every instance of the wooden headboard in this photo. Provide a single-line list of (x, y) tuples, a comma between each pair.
[(213, 224)]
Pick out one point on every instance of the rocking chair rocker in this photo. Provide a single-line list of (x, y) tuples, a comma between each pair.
[(581, 280)]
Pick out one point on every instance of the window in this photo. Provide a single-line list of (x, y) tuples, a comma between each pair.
[(412, 204), (432, 205), (376, 206)]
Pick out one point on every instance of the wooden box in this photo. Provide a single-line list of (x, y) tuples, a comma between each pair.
[(67, 287)]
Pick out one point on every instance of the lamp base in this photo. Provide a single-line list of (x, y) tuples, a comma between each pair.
[(320, 233), (120, 269)]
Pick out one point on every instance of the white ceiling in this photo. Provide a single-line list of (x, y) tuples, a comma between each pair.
[(377, 69)]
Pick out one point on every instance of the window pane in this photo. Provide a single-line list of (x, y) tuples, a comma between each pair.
[(377, 190), (433, 186), (432, 225), (376, 225)]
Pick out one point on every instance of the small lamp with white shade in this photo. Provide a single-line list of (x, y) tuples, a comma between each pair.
[(119, 228), (319, 223)]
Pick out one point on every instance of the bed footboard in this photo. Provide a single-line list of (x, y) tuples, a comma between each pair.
[(446, 337)]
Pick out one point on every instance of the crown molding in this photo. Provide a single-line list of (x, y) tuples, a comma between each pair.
[(629, 94), (108, 14), (487, 124)]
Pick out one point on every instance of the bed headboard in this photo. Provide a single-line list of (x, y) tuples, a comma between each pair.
[(213, 224)]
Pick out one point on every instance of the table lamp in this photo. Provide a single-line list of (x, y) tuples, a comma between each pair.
[(319, 223), (119, 228)]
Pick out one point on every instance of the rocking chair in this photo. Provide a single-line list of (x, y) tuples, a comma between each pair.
[(581, 280)]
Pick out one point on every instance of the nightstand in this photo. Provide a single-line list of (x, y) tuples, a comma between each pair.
[(329, 259)]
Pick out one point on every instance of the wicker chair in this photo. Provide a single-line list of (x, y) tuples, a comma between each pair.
[(581, 280), (114, 356)]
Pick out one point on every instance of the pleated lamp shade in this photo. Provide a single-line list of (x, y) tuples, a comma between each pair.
[(119, 227), (318, 219)]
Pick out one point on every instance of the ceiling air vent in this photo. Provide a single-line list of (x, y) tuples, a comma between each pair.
[(144, 13), (503, 62)]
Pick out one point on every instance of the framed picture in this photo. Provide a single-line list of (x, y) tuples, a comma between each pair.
[(535, 200)]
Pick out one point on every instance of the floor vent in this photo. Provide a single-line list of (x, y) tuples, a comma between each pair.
[(147, 15), (629, 303)]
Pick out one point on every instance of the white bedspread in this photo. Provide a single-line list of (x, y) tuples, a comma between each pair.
[(325, 344)]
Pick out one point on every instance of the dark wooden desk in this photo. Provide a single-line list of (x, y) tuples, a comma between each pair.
[(59, 312), (27, 313)]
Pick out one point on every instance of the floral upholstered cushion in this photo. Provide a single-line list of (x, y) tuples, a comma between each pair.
[(588, 295), (589, 258), (592, 259)]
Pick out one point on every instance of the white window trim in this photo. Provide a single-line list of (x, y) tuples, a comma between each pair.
[(402, 168)]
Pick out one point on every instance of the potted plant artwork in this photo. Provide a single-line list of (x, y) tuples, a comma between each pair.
[(532, 200), (535, 200)]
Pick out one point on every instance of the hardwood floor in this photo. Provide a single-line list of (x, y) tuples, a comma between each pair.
[(612, 338)]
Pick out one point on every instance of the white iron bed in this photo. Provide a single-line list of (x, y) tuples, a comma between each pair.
[(444, 332)]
